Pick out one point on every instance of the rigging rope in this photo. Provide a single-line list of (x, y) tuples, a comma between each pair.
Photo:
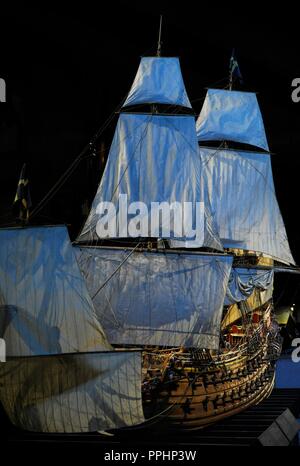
[(115, 271), (64, 177)]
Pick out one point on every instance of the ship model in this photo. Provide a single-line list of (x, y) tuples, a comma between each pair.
[(168, 325)]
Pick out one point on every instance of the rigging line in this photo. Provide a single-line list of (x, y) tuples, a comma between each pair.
[(74, 164), (235, 153), (172, 125), (115, 322), (59, 184), (210, 87), (211, 155), (72, 167), (268, 185), (55, 188), (107, 161), (176, 110), (115, 271), (68, 172)]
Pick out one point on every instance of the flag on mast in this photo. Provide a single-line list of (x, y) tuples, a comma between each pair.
[(22, 202), (234, 70)]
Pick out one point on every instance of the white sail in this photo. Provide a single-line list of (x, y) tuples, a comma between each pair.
[(166, 299), (243, 201), (46, 310), (73, 392), (243, 282), (232, 116), (154, 159), (158, 80), (44, 302)]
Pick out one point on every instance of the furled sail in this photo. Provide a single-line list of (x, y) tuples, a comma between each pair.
[(243, 282), (81, 392), (256, 300), (55, 379), (154, 159), (243, 201), (251, 288), (166, 299), (232, 116), (158, 80)]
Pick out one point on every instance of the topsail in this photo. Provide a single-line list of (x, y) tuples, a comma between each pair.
[(232, 116), (158, 80)]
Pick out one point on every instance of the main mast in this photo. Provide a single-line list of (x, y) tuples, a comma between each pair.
[(159, 43), (154, 108), (154, 160)]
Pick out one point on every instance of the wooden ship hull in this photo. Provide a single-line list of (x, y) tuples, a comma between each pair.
[(193, 389), (137, 289), (209, 389)]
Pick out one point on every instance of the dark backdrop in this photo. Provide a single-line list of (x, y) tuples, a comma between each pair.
[(67, 67)]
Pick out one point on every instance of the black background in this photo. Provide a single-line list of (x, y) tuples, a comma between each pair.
[(68, 66)]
